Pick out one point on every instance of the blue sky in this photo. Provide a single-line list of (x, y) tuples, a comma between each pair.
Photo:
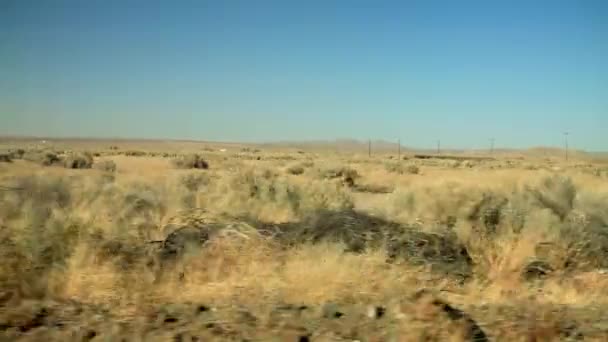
[(258, 70)]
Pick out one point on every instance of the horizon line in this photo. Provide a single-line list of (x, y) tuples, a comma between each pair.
[(295, 141)]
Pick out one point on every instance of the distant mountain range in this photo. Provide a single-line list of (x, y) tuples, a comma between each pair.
[(338, 145), (352, 145)]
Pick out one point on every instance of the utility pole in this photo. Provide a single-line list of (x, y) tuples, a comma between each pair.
[(438, 146), (566, 144), (491, 146), (369, 148)]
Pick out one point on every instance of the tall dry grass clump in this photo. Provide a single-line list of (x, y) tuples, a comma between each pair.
[(559, 225), (265, 194)]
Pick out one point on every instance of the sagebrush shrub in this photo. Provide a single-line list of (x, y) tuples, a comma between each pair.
[(190, 161), (78, 161), (297, 169), (44, 158), (134, 153), (105, 165), (5, 158), (264, 192), (17, 154), (400, 168), (346, 174)]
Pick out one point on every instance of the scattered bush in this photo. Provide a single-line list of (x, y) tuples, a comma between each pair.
[(264, 193), (556, 193), (190, 161), (295, 170), (401, 168), (373, 188), (412, 169), (299, 168), (193, 181), (74, 237), (250, 150), (44, 158), (5, 158), (78, 161), (394, 167), (307, 163), (468, 164), (105, 165), (17, 154), (601, 172), (133, 153), (347, 174), (40, 229)]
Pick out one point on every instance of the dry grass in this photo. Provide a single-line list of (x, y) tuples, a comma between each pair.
[(291, 255)]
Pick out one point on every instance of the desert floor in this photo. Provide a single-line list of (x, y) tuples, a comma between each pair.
[(135, 241)]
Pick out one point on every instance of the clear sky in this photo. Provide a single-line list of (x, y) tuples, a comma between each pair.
[(257, 70)]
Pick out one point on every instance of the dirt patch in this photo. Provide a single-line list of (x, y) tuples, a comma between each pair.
[(426, 317)]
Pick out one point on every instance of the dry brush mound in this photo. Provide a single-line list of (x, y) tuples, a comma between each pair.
[(359, 232)]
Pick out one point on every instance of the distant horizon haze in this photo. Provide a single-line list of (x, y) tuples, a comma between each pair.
[(380, 144), (520, 72)]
